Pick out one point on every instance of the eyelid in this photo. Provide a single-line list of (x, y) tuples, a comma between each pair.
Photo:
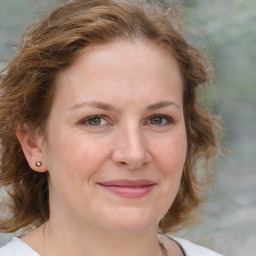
[(169, 119), (86, 119)]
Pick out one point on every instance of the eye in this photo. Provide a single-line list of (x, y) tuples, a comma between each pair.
[(160, 120), (94, 121)]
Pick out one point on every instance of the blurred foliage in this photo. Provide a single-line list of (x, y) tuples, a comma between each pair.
[(226, 30)]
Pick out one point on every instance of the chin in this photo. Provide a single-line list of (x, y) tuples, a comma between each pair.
[(132, 221)]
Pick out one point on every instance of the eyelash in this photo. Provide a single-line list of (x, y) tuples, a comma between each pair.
[(169, 120), (86, 120)]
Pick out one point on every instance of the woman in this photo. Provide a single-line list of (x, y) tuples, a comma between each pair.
[(102, 132)]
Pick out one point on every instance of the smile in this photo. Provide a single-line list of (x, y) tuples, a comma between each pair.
[(129, 188)]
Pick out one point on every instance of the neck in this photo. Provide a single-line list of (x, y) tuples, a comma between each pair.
[(62, 240)]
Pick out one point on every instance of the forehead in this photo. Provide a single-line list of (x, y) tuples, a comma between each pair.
[(121, 65), (133, 49)]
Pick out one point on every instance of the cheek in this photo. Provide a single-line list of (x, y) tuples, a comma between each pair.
[(171, 154), (77, 161), (170, 157), (72, 167)]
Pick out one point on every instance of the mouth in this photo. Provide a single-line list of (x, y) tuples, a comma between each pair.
[(129, 188)]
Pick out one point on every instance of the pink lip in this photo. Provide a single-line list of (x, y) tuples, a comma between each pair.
[(129, 188)]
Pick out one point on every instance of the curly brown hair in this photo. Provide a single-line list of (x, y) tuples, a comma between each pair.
[(28, 85)]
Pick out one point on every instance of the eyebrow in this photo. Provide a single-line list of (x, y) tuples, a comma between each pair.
[(162, 104), (109, 107), (96, 104)]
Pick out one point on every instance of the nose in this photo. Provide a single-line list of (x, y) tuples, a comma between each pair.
[(131, 149)]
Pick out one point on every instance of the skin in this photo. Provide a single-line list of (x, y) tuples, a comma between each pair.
[(117, 114)]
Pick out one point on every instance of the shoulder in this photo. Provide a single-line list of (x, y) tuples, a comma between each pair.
[(17, 248), (191, 249)]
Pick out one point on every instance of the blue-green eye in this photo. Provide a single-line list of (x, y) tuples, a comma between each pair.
[(94, 121)]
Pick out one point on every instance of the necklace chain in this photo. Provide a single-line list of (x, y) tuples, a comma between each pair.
[(164, 250), (45, 251)]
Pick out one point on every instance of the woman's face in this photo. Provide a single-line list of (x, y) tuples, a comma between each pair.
[(116, 139)]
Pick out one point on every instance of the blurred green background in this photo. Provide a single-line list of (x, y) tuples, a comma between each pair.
[(225, 30)]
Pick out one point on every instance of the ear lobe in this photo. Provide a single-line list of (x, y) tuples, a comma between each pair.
[(32, 143)]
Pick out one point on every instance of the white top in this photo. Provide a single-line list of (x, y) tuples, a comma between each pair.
[(18, 248), (191, 249)]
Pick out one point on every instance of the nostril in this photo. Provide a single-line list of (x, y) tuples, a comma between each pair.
[(132, 165), (131, 155)]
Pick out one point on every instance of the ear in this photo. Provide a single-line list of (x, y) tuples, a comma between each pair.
[(32, 143)]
